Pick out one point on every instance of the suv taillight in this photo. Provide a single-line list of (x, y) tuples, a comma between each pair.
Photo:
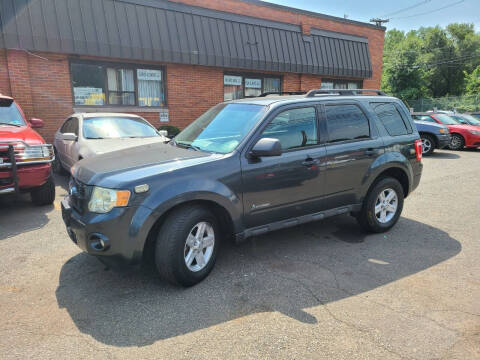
[(418, 149)]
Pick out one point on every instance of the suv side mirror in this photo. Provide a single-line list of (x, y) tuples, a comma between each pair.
[(69, 137), (267, 147), (36, 123)]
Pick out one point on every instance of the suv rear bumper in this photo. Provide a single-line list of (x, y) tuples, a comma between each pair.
[(106, 236)]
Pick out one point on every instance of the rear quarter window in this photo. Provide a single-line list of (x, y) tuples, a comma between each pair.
[(346, 122), (391, 118)]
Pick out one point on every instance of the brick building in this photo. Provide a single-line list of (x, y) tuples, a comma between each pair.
[(169, 61)]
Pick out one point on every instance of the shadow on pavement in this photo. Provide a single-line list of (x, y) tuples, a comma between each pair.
[(288, 271), (19, 215), (444, 155)]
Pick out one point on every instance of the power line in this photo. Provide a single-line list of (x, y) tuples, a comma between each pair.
[(407, 8), (431, 11)]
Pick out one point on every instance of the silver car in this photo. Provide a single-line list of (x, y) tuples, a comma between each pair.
[(84, 135)]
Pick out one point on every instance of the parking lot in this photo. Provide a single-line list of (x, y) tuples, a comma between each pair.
[(319, 291)]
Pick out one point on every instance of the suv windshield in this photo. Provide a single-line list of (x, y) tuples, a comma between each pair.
[(221, 128), (116, 127), (10, 115), (447, 120)]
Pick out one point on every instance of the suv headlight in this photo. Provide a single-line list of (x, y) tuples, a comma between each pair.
[(104, 200), (475, 132)]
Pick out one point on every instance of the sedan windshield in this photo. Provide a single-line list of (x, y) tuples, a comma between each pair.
[(221, 129), (116, 127), (446, 120), (10, 115)]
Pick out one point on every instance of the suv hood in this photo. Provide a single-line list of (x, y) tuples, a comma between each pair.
[(136, 163), (428, 123), (101, 146), (24, 133)]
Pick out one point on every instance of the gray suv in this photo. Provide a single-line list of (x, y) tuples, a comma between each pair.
[(244, 168)]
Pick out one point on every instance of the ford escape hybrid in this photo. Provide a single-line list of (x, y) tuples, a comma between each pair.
[(244, 168)]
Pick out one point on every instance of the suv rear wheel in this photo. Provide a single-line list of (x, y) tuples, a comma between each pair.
[(382, 207), (187, 244)]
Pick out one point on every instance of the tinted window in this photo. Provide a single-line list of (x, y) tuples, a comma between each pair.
[(294, 128), (390, 118), (446, 120), (346, 122), (424, 118), (116, 127), (67, 126)]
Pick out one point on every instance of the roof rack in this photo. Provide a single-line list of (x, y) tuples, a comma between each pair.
[(282, 93), (343, 92)]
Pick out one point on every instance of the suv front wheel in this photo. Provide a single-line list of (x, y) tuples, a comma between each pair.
[(187, 244), (382, 207)]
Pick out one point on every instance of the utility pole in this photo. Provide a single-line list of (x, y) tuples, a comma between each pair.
[(379, 21)]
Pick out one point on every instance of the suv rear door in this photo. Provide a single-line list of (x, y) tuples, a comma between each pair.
[(290, 185), (352, 146)]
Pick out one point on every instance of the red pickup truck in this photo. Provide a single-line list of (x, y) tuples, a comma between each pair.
[(25, 159)]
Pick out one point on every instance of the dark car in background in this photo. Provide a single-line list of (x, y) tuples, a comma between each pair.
[(433, 135), (245, 168)]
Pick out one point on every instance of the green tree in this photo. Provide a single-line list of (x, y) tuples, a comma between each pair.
[(472, 82)]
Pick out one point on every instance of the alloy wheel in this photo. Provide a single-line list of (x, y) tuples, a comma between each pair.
[(426, 145), (199, 246), (386, 205)]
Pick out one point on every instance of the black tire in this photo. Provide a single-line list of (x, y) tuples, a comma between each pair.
[(45, 194), (367, 217), (57, 165), (428, 142), (457, 142), (170, 246)]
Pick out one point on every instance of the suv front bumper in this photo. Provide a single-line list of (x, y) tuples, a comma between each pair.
[(444, 140), (106, 236)]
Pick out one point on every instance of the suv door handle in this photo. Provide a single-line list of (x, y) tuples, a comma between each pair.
[(309, 162), (370, 152)]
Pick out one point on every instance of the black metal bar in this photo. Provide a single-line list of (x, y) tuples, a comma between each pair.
[(282, 93), (11, 155), (343, 92)]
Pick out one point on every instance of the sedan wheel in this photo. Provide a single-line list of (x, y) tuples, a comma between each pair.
[(457, 142)]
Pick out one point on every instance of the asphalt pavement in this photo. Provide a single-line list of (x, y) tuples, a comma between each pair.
[(324, 290)]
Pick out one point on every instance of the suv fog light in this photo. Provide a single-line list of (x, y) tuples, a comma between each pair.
[(98, 242)]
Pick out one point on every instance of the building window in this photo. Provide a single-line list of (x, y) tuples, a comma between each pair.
[(238, 86), (341, 84), (97, 84)]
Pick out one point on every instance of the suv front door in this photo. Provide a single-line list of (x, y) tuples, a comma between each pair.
[(290, 185), (353, 145)]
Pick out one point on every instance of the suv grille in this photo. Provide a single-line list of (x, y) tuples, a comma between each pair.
[(79, 195)]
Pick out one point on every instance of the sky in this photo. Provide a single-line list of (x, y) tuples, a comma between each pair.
[(424, 14)]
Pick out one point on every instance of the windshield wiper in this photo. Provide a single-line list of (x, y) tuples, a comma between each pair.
[(5, 123), (187, 146)]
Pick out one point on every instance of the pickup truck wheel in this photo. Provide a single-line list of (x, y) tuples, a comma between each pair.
[(45, 194), (428, 145), (187, 244), (382, 207)]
